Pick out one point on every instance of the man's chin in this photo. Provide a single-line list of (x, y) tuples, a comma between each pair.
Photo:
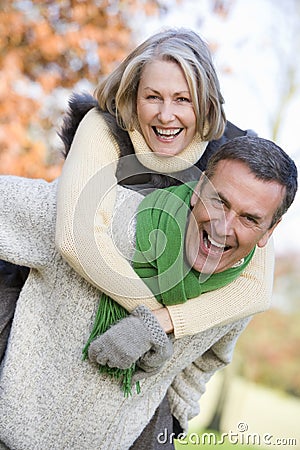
[(209, 267)]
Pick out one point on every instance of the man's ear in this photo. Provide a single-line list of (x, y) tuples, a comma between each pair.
[(264, 239), (196, 193)]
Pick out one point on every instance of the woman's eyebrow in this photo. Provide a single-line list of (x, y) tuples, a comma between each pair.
[(184, 92)]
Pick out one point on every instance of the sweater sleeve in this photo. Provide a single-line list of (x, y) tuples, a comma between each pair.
[(85, 202), (27, 211), (249, 294), (190, 384)]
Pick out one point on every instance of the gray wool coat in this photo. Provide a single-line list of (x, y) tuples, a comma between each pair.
[(49, 398)]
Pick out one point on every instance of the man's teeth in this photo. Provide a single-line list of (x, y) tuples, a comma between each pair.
[(168, 132), (216, 244)]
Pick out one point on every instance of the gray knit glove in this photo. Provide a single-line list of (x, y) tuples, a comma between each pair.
[(150, 364), (130, 339)]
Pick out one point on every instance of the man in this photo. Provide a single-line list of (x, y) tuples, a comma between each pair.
[(231, 214), (49, 398)]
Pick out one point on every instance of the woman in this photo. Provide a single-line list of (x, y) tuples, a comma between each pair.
[(162, 104), (159, 108)]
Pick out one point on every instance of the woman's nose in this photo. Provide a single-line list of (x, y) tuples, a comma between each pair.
[(166, 113)]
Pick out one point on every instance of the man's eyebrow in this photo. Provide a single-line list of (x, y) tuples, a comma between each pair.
[(223, 198), (254, 216)]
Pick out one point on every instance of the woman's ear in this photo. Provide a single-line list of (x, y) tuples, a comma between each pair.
[(196, 193)]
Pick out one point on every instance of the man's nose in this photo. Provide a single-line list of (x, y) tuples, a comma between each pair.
[(225, 224), (166, 112)]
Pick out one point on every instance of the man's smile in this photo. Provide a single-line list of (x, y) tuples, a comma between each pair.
[(211, 247)]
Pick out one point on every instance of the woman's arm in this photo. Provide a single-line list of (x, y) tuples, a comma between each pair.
[(85, 202), (249, 294), (86, 197), (246, 296)]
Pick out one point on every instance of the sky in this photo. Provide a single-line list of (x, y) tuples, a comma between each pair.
[(255, 47)]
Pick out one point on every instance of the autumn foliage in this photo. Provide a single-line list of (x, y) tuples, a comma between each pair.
[(47, 48)]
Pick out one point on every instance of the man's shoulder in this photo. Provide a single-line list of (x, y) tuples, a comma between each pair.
[(28, 197)]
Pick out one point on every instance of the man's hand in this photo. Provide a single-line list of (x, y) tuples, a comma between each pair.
[(132, 338)]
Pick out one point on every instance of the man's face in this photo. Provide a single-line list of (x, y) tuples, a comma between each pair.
[(232, 215)]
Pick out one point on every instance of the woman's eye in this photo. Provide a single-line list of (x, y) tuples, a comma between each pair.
[(152, 97), (183, 100)]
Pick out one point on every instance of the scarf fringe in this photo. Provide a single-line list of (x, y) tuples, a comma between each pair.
[(170, 279), (109, 312)]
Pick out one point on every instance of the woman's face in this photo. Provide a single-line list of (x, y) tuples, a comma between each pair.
[(164, 108)]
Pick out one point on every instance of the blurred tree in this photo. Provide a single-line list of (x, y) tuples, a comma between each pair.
[(268, 353), (47, 49), (286, 293)]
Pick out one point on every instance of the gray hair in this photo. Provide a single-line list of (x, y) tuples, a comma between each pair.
[(266, 160), (118, 92)]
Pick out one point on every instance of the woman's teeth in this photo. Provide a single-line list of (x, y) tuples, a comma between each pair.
[(167, 133)]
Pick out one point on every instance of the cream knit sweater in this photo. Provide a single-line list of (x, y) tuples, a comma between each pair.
[(86, 196), (49, 398)]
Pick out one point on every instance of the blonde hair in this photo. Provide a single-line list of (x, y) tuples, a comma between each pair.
[(118, 92)]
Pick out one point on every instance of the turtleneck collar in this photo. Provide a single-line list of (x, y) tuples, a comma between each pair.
[(167, 164)]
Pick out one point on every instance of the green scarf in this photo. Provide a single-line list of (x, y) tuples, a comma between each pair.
[(159, 260)]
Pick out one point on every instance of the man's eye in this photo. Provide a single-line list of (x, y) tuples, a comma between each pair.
[(250, 220), (217, 201)]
